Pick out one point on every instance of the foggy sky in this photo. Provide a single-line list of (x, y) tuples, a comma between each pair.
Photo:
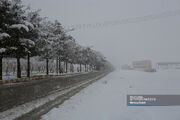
[(157, 40)]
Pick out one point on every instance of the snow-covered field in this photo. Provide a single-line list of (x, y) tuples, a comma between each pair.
[(106, 99)]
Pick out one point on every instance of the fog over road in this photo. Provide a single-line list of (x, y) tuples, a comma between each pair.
[(106, 99), (156, 39)]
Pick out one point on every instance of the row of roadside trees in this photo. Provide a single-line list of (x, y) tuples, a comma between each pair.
[(24, 34)]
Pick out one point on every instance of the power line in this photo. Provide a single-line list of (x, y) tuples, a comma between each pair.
[(125, 21)]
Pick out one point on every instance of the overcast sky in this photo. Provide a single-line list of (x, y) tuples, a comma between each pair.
[(157, 40)]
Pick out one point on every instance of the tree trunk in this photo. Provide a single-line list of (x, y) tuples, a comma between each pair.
[(47, 66), (57, 65), (66, 66), (71, 68), (0, 68), (80, 67), (60, 68), (18, 68), (28, 65), (85, 68)]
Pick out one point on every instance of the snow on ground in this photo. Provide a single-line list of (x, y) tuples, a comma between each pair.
[(106, 99)]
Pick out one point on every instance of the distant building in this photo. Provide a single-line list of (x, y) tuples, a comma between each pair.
[(142, 65), (168, 65)]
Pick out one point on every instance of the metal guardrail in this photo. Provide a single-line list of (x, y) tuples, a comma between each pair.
[(23, 79), (35, 77)]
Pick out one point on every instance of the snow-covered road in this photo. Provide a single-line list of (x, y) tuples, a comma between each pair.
[(106, 99)]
